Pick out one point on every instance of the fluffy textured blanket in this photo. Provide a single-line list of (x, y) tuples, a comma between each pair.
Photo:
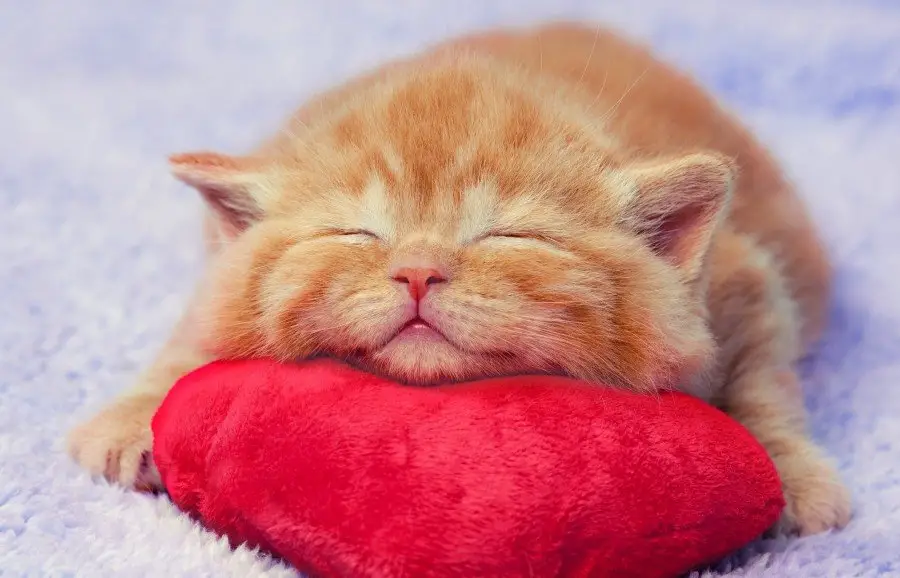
[(98, 246)]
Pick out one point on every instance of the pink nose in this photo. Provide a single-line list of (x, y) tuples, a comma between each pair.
[(418, 280)]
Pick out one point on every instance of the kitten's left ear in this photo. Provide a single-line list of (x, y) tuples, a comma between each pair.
[(678, 204), (233, 187)]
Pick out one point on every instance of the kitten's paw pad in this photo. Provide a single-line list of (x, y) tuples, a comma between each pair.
[(117, 443), (816, 499)]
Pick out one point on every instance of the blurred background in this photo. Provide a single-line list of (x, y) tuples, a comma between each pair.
[(99, 246)]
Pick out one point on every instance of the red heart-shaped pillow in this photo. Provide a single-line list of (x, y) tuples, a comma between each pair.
[(345, 474)]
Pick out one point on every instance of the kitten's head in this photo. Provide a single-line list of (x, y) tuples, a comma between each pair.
[(451, 226)]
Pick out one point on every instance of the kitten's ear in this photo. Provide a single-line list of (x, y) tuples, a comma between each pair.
[(678, 204), (231, 186)]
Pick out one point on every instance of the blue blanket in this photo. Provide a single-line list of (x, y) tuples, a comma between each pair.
[(99, 246)]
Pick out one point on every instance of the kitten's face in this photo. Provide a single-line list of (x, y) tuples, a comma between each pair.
[(449, 230)]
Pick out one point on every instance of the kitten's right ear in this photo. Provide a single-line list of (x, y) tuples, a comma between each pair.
[(231, 186)]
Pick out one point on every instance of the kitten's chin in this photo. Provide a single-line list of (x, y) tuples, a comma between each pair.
[(419, 360), (427, 358)]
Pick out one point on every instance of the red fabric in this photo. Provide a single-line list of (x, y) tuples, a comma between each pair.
[(344, 474)]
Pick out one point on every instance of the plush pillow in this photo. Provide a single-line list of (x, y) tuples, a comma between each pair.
[(344, 474)]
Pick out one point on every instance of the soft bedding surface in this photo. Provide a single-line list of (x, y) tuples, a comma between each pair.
[(99, 247)]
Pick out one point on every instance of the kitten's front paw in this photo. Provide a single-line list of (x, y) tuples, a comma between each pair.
[(117, 443), (817, 500)]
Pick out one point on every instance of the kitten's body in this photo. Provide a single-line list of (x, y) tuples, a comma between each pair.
[(576, 206)]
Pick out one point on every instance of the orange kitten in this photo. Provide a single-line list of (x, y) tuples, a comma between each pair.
[(547, 200)]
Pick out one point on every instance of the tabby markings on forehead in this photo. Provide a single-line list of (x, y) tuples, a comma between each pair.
[(393, 160), (376, 214), (477, 213)]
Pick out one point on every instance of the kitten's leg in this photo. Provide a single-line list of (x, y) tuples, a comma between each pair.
[(116, 443), (757, 325), (769, 403)]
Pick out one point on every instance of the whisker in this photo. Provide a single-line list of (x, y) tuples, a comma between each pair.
[(601, 91), (615, 107), (590, 56)]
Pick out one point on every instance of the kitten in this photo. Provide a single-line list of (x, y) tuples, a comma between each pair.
[(538, 200)]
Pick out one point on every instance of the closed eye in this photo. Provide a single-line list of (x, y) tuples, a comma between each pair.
[(359, 233), (524, 235), (513, 235), (519, 239)]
